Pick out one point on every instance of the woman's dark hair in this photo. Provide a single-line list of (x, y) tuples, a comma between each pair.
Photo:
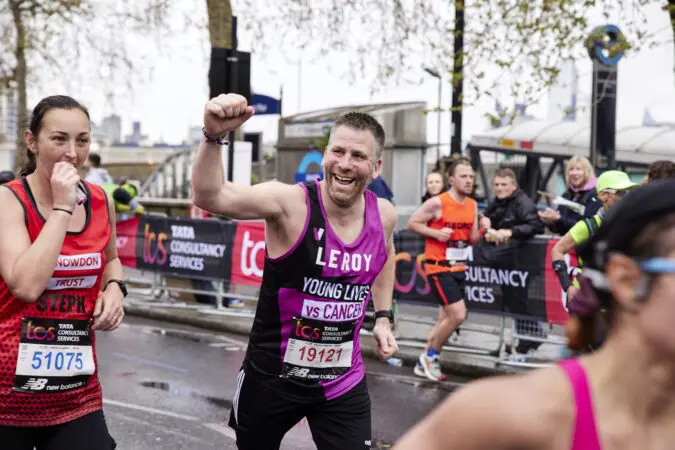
[(444, 179), (635, 229), (42, 108)]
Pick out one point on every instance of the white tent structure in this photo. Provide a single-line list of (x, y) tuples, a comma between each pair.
[(635, 145)]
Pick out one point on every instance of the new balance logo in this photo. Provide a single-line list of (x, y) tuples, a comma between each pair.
[(368, 443), (35, 384), (298, 372)]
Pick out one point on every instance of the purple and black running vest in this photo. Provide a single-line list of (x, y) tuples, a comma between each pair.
[(305, 337)]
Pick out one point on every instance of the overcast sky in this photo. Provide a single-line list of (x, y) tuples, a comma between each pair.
[(171, 100)]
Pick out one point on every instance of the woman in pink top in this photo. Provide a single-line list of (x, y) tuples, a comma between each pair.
[(622, 396)]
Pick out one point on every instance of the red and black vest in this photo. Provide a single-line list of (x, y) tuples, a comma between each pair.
[(48, 366)]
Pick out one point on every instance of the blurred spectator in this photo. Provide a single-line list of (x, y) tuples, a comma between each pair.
[(6, 176), (97, 174), (660, 170), (435, 183), (381, 189), (124, 196), (511, 219), (580, 181), (512, 214)]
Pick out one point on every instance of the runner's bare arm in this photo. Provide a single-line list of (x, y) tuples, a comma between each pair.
[(562, 247), (431, 209), (485, 415), (383, 287), (267, 201), (27, 267), (210, 189)]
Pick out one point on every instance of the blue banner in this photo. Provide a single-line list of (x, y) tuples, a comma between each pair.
[(264, 104)]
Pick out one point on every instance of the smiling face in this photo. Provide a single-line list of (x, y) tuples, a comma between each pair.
[(504, 187), (63, 136), (434, 183), (577, 176), (350, 163)]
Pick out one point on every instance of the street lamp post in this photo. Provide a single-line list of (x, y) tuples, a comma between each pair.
[(435, 74)]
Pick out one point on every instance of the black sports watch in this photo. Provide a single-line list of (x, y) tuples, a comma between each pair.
[(385, 313), (120, 283)]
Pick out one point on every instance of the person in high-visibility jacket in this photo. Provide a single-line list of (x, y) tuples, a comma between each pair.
[(124, 198), (612, 185)]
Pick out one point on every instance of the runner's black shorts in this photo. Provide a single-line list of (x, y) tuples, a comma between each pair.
[(448, 287), (261, 417), (88, 432)]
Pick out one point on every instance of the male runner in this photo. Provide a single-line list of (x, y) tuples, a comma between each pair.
[(328, 243), (449, 222)]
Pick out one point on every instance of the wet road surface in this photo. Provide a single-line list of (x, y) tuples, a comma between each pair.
[(169, 387)]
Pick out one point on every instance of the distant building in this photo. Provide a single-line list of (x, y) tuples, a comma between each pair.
[(136, 137), (111, 129)]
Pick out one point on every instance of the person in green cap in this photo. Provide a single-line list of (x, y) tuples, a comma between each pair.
[(612, 185)]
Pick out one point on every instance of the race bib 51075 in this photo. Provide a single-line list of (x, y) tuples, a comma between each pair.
[(55, 355)]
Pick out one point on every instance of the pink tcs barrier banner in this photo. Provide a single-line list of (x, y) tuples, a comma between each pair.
[(248, 253)]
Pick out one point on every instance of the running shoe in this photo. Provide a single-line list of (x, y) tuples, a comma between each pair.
[(429, 368)]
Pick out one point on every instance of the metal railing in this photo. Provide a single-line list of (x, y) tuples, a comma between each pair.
[(171, 179), (497, 341)]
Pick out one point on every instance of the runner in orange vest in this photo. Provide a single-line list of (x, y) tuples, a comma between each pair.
[(449, 223)]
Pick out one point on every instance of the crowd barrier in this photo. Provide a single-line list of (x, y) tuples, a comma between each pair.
[(513, 281)]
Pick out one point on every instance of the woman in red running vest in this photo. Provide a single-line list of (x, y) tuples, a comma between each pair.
[(60, 279)]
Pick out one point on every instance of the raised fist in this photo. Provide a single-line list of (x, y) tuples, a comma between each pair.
[(64, 185), (225, 113)]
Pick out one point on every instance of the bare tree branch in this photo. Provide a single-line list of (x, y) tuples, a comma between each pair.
[(54, 36)]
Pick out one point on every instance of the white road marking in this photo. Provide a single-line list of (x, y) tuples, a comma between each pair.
[(218, 428), (163, 429), (160, 412), (222, 429)]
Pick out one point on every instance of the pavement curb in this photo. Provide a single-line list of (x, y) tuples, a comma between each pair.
[(242, 326)]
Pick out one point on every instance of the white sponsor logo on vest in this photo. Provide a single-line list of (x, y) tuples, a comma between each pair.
[(84, 261), (58, 284)]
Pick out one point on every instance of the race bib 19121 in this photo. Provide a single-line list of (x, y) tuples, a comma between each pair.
[(55, 355), (318, 350)]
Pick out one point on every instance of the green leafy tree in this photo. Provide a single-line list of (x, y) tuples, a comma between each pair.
[(513, 45)]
